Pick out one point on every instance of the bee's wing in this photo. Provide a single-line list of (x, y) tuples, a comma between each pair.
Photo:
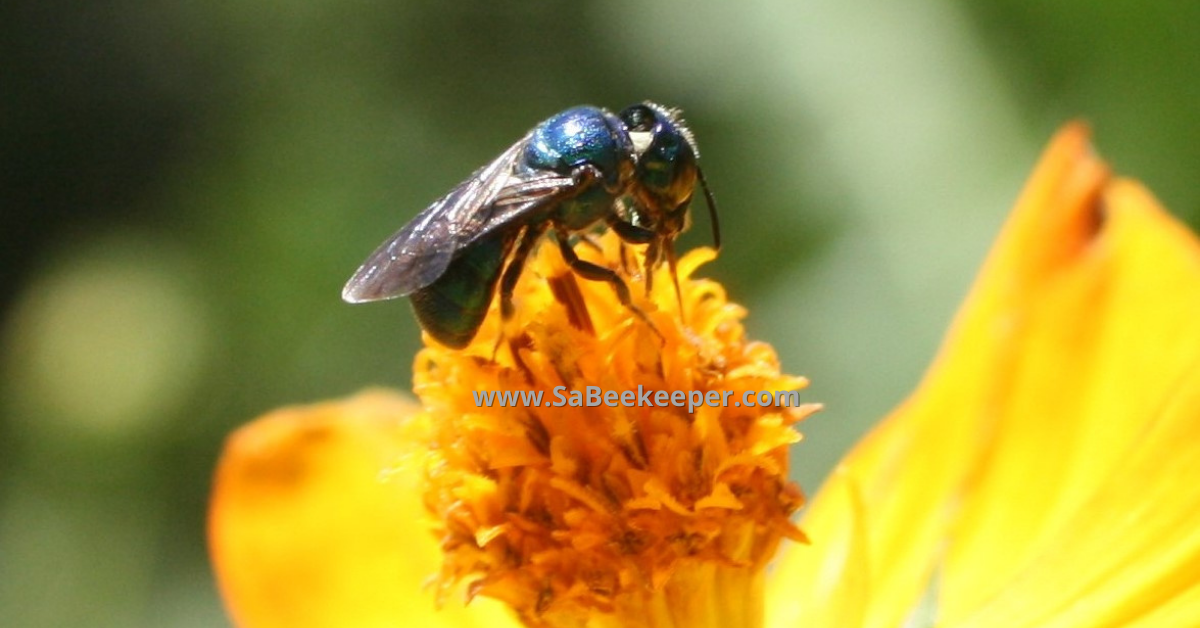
[(524, 195), (419, 253)]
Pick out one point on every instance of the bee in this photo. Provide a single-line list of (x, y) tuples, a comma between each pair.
[(634, 172)]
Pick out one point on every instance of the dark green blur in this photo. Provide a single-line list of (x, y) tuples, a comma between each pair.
[(186, 186)]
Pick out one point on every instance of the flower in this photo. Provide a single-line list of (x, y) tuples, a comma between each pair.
[(1042, 474), (650, 511)]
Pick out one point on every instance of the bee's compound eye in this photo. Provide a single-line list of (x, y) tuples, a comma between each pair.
[(639, 118)]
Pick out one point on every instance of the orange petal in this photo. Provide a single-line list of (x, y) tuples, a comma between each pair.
[(315, 521), (1050, 403)]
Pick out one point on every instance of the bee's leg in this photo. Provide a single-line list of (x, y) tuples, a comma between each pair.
[(591, 242), (512, 272), (623, 253), (593, 272), (629, 232), (653, 252), (584, 176)]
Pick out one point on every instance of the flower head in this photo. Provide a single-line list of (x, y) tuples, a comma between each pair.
[(565, 506)]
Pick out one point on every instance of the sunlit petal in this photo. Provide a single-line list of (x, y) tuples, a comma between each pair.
[(1037, 476), (828, 585), (308, 531), (1113, 511)]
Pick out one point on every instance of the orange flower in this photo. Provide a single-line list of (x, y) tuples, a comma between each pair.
[(1042, 474)]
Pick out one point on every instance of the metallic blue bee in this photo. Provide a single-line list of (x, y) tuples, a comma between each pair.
[(635, 172)]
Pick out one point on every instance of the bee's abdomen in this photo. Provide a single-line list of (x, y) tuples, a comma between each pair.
[(453, 307)]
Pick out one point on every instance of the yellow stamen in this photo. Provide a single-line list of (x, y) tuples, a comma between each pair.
[(611, 516)]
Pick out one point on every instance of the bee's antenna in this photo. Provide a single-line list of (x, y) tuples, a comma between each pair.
[(712, 213), (669, 248)]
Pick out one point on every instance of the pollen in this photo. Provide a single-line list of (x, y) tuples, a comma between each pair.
[(610, 509)]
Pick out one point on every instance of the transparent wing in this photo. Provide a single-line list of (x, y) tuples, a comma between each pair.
[(491, 198)]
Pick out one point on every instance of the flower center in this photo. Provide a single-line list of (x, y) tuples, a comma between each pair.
[(596, 468)]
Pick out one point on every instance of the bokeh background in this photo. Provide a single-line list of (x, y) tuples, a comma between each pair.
[(185, 186)]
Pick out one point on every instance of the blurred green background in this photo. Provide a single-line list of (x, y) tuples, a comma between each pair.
[(187, 185)]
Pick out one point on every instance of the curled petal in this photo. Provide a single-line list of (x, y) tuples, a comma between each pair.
[(1050, 441)]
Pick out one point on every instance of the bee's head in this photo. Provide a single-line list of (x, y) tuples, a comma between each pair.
[(666, 170)]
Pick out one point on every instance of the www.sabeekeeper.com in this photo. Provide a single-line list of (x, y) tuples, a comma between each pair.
[(594, 397)]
